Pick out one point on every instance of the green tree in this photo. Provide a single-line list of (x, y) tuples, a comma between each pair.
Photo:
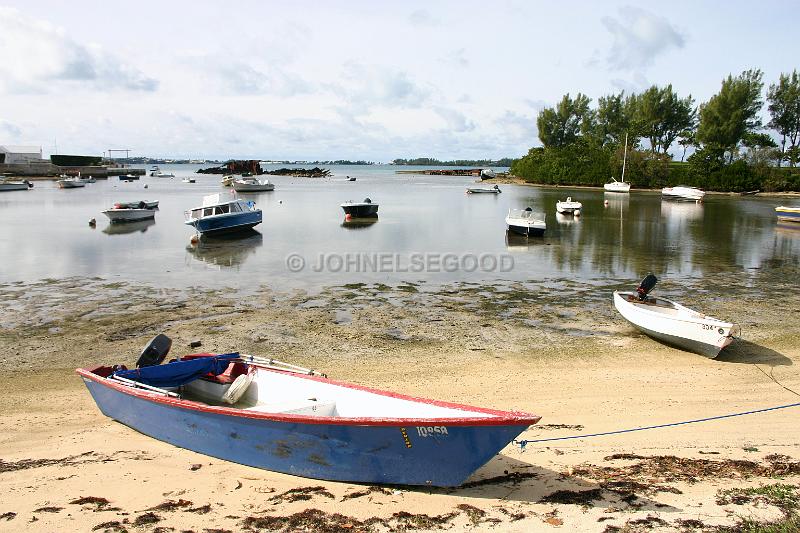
[(731, 113), (562, 125), (784, 108), (611, 120), (661, 116), (687, 138)]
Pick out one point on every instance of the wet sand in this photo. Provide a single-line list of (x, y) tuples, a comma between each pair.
[(557, 349)]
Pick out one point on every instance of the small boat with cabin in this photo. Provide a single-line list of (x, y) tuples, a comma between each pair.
[(252, 184), (280, 417), (672, 323), (222, 213), (188, 179), (67, 182), (569, 207), (365, 209), (526, 222), (227, 181), (162, 174)]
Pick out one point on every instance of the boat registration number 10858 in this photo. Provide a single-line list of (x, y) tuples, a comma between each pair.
[(427, 431)]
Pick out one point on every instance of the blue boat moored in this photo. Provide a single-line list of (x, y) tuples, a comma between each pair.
[(222, 213), (279, 417)]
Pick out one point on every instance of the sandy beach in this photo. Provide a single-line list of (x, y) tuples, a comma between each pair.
[(557, 349)]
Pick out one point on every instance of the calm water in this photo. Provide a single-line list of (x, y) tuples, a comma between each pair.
[(44, 233)]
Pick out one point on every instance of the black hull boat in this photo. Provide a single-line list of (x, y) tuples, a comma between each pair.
[(365, 209)]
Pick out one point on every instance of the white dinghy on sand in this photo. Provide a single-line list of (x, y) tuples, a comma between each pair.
[(672, 323)]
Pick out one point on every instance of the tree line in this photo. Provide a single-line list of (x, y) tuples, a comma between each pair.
[(732, 149)]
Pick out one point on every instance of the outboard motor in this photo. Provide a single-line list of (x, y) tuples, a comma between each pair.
[(646, 286), (155, 351), (367, 201)]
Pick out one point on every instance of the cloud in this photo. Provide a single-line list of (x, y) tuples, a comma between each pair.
[(456, 58), (11, 130), (422, 17), (363, 87), (638, 38), (240, 78), (38, 55), (518, 127), (456, 121)]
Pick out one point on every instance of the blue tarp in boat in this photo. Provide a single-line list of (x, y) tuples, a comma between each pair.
[(179, 373)]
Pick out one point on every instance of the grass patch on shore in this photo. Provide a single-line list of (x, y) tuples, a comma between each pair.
[(783, 496)]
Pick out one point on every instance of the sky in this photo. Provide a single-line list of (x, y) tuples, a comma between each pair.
[(316, 80)]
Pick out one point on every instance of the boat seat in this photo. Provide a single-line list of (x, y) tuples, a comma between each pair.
[(648, 301), (297, 407)]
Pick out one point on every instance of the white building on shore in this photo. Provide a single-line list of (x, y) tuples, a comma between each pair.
[(11, 155)]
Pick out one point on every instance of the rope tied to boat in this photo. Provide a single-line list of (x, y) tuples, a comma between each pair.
[(523, 443)]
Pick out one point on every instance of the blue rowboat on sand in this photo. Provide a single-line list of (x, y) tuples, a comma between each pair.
[(304, 424)]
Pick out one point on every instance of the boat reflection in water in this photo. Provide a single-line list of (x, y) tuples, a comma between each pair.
[(359, 223), (140, 226), (682, 210), (567, 219), (521, 243), (226, 250)]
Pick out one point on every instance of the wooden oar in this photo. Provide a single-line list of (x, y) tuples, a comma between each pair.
[(278, 365), (132, 383)]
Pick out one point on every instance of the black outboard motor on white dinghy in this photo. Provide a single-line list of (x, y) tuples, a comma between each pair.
[(155, 351), (646, 286)]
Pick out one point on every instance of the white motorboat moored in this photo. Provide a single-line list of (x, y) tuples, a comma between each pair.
[(672, 323), (8, 185), (228, 180), (251, 184), (682, 192), (568, 207), (129, 214), (480, 190), (162, 174), (526, 222), (70, 183)]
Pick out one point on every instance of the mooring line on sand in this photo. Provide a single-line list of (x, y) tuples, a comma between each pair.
[(523, 443), (778, 383)]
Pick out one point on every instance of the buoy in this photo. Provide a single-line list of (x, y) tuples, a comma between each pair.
[(605, 203), (92, 222), (348, 216), (145, 185), (194, 239), (577, 212)]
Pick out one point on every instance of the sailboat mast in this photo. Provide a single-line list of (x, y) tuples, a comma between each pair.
[(624, 157)]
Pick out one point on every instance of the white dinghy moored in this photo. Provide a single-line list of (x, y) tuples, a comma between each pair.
[(672, 323)]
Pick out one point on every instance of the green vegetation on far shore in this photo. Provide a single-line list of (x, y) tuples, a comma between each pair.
[(732, 151)]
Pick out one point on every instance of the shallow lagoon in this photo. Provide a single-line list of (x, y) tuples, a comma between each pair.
[(428, 230)]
